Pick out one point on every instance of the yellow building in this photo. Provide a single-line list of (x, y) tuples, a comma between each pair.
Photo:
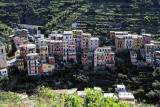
[(20, 63), (74, 33), (137, 42), (48, 68), (43, 54)]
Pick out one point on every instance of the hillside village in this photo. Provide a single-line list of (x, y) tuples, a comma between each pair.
[(41, 56)]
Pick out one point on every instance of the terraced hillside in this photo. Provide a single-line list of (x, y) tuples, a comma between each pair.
[(94, 16)]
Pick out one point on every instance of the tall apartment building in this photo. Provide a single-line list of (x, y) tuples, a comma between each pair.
[(32, 60), (77, 35), (149, 53), (86, 59), (65, 50), (32, 64), (137, 42), (43, 53), (128, 41), (3, 61), (85, 41), (103, 56), (23, 51), (94, 43), (120, 42), (72, 51), (67, 36), (56, 48), (20, 62)]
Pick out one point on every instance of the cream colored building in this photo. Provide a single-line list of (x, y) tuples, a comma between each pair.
[(3, 61)]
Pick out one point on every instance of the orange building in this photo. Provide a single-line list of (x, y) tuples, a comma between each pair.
[(119, 42), (113, 34)]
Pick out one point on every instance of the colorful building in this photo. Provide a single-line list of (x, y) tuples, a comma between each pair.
[(103, 56), (23, 51), (65, 50), (67, 36), (32, 64), (137, 42), (77, 35), (86, 59), (52, 60), (149, 53), (31, 48), (94, 43), (146, 38), (56, 48), (3, 72), (48, 69), (113, 34), (72, 51), (128, 41), (85, 41), (3, 60), (120, 42), (20, 63), (43, 53)]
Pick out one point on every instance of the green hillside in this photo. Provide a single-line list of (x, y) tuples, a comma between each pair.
[(94, 16)]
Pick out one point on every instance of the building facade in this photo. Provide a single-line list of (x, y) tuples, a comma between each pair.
[(137, 42), (94, 43), (85, 41), (103, 56), (56, 48), (43, 53), (119, 42), (3, 60), (32, 64), (128, 41)]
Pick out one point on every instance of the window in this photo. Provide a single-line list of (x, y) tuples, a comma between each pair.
[(1, 50)]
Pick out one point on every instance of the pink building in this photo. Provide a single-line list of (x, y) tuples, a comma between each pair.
[(110, 60), (72, 51), (85, 58), (23, 51), (146, 38), (103, 56), (77, 35), (51, 60), (56, 48)]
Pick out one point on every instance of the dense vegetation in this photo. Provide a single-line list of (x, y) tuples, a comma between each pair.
[(94, 16), (46, 97)]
